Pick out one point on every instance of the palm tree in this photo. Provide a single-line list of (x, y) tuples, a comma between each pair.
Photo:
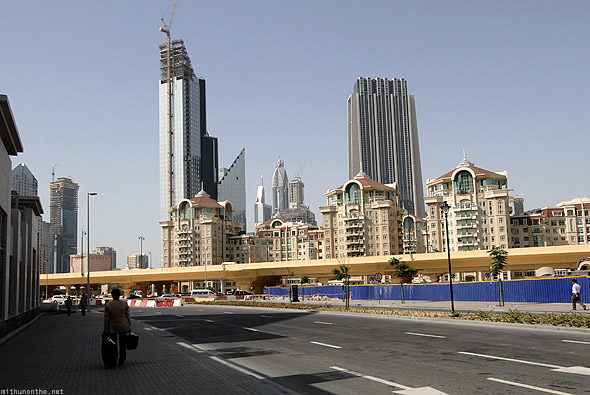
[(499, 260), (342, 273), (403, 271)]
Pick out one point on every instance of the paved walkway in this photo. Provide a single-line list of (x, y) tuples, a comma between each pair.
[(61, 352)]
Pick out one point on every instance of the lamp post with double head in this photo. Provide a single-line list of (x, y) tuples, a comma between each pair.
[(445, 209), (88, 242)]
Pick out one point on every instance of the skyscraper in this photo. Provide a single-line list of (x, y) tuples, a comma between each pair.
[(262, 211), (280, 188), (383, 138), (232, 187), (64, 222), (194, 152), (23, 181)]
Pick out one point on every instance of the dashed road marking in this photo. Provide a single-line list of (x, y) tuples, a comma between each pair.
[(325, 345), (228, 312), (323, 323), (531, 387), (265, 316), (208, 320), (425, 335), (251, 329), (556, 368), (575, 341), (405, 388)]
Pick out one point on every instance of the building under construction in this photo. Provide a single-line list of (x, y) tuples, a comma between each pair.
[(194, 152)]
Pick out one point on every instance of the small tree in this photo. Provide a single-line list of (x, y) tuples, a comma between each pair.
[(404, 271), (304, 280), (342, 273), (499, 260)]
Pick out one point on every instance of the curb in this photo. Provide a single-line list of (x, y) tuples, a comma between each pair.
[(18, 330)]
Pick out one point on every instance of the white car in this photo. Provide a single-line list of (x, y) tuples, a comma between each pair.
[(59, 299), (166, 297)]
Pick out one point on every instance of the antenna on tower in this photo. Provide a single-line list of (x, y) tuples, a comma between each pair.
[(53, 173)]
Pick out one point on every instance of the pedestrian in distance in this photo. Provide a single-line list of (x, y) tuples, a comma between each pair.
[(68, 304), (576, 294), (117, 322), (83, 304)]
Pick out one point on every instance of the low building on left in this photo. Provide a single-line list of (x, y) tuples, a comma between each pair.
[(19, 235)]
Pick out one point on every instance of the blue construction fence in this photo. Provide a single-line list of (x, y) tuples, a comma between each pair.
[(538, 290)]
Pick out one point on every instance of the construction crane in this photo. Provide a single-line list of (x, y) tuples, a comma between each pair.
[(298, 175), (165, 28)]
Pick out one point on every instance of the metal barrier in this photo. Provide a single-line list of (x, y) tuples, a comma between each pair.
[(538, 290)]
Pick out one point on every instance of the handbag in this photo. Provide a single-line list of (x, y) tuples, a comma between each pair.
[(132, 341)]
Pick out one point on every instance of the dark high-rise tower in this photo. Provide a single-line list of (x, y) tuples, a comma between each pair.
[(383, 138), (194, 151), (64, 222)]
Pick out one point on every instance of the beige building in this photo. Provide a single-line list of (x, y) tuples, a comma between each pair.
[(138, 261), (567, 223), (201, 228), (414, 235), (108, 251), (362, 218), (98, 263), (479, 214)]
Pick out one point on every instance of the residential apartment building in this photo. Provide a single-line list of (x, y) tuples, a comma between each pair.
[(383, 138), (98, 263), (107, 251), (201, 230), (566, 223), (138, 261), (415, 236), (478, 216), (362, 218)]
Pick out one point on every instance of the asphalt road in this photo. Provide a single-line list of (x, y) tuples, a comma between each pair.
[(322, 352)]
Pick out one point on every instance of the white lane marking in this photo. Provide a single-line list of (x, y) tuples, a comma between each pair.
[(531, 387), (571, 369), (265, 316), (179, 316), (148, 329), (252, 329), (510, 359), (325, 345), (190, 347), (405, 389), (209, 321), (227, 312), (425, 335), (575, 341), (157, 312), (238, 368), (323, 323)]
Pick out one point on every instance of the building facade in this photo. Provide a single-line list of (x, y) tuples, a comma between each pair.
[(415, 235), (23, 181), (201, 229), (64, 222), (567, 223), (98, 263), (232, 187), (137, 261), (383, 138), (479, 213), (194, 152), (107, 251), (19, 253), (362, 218), (262, 211), (280, 188)]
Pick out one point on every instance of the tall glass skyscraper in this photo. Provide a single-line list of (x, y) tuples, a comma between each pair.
[(280, 188), (64, 222), (383, 138), (194, 152), (232, 187)]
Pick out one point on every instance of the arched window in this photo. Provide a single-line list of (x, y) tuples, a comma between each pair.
[(185, 210), (464, 182), (353, 194), (408, 224)]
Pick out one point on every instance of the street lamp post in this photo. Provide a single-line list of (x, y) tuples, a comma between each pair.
[(445, 209), (141, 239), (88, 242)]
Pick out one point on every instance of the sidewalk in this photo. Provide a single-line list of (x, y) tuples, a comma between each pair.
[(61, 352)]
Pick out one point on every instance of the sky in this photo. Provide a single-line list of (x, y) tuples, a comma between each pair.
[(506, 81)]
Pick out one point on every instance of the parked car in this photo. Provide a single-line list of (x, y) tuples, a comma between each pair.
[(202, 293), (166, 297), (59, 299), (240, 292)]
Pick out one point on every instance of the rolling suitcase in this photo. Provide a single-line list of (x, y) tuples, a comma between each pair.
[(109, 350)]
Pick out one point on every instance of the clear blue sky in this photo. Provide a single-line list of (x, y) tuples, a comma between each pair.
[(505, 80)]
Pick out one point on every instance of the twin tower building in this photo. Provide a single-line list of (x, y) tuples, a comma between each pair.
[(382, 143)]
